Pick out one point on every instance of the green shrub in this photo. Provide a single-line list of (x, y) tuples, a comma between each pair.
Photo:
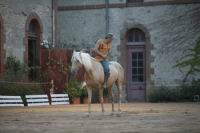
[(164, 94), (73, 89), (184, 93), (105, 92), (16, 81), (83, 94), (15, 70), (191, 61), (188, 91), (20, 90)]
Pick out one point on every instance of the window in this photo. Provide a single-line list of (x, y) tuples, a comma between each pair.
[(138, 66), (136, 35), (33, 28)]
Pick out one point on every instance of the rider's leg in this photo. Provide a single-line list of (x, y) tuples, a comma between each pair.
[(105, 65)]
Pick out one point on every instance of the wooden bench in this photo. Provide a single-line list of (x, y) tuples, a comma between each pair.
[(37, 100), (59, 99), (10, 101)]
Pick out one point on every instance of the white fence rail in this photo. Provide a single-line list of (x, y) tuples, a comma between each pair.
[(59, 99), (34, 100), (37, 100), (6, 101)]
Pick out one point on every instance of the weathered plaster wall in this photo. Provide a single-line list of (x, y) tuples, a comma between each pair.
[(172, 28), (80, 29), (79, 2), (15, 14)]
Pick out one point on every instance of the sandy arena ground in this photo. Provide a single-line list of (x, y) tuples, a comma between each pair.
[(135, 118)]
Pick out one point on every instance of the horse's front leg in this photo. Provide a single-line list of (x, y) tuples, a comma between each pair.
[(89, 90), (101, 98)]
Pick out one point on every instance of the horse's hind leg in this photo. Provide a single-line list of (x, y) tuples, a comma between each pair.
[(89, 100), (119, 87), (101, 98), (112, 98)]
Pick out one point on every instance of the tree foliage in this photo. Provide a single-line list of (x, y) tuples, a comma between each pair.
[(191, 61), (15, 70)]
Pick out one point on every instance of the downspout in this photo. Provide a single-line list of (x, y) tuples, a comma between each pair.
[(107, 16), (53, 23)]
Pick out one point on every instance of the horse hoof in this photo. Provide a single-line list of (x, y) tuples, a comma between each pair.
[(103, 113), (118, 114), (112, 114), (88, 114)]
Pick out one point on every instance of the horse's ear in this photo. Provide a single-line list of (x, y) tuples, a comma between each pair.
[(74, 51)]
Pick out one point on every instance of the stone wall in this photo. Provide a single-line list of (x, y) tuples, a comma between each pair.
[(172, 28), (80, 29), (15, 14)]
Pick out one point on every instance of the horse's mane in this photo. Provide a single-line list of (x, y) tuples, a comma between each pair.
[(86, 59), (90, 56)]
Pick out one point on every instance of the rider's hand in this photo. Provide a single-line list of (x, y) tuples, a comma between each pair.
[(104, 56)]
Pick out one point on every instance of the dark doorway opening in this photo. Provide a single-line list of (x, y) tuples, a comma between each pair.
[(34, 49)]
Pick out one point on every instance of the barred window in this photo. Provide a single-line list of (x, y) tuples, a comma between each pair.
[(138, 66), (136, 35), (33, 27)]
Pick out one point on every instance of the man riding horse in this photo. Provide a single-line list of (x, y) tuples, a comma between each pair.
[(102, 49), (95, 75)]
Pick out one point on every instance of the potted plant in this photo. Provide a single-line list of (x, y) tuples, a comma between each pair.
[(84, 95), (105, 95), (72, 89)]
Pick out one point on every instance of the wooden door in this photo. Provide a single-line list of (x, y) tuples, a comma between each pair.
[(136, 73)]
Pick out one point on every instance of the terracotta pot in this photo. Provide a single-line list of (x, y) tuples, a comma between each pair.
[(85, 100), (105, 99), (76, 100)]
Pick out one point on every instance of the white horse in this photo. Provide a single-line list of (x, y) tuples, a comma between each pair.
[(94, 76)]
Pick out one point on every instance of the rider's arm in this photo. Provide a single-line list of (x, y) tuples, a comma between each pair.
[(98, 44)]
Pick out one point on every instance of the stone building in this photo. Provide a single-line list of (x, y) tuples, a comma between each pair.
[(24, 24), (150, 35)]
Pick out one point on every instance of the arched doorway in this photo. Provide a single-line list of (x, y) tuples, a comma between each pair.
[(136, 65), (32, 43), (33, 48)]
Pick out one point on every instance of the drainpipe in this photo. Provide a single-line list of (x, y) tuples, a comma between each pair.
[(53, 23), (107, 16)]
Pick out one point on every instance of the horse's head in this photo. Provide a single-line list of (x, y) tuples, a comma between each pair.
[(76, 61)]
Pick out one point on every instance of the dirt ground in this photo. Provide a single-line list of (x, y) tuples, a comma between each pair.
[(135, 118)]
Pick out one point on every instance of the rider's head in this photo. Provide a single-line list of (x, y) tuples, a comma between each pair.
[(109, 37)]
